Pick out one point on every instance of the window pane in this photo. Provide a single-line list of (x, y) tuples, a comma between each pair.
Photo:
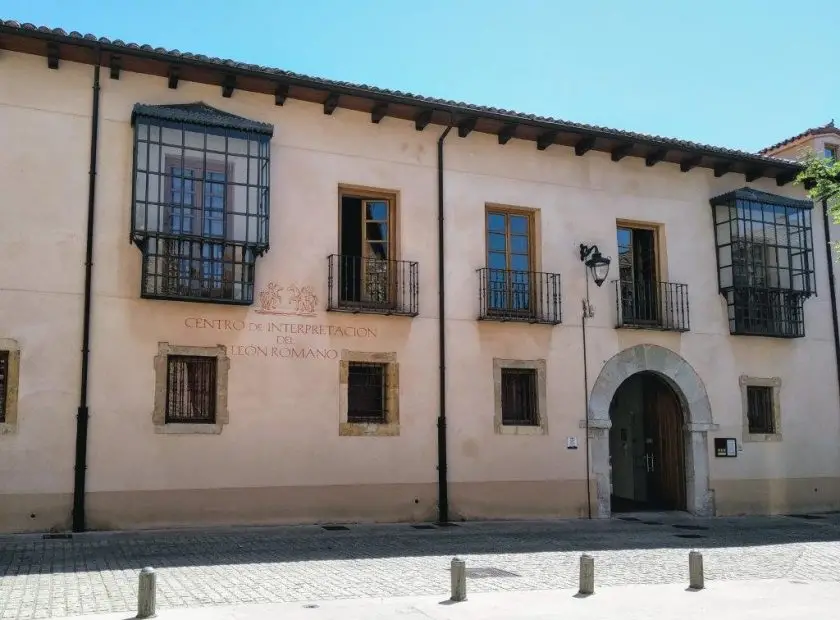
[(377, 210), (519, 262), (4, 383), (191, 389), (519, 244), (519, 397), (496, 242), (496, 260), (519, 224), (366, 393), (496, 222)]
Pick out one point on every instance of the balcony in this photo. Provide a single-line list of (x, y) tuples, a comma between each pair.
[(652, 305), (775, 313), (523, 296), (372, 285)]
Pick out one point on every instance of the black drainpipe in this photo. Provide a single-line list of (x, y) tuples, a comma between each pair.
[(443, 491), (82, 415), (831, 288)]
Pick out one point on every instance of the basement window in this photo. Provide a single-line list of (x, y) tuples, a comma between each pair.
[(200, 204)]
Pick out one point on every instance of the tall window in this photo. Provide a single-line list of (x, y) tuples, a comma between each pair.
[(637, 272), (191, 389), (200, 201), (519, 397), (367, 273), (4, 384), (509, 261), (765, 261), (760, 412)]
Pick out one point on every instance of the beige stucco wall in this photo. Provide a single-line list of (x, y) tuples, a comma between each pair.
[(281, 458)]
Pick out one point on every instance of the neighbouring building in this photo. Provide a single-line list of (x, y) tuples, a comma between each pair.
[(236, 295)]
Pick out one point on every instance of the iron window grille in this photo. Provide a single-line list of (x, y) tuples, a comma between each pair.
[(760, 418), (190, 389), (765, 256), (372, 285), (512, 295), (367, 393), (4, 383), (200, 201), (652, 305), (519, 397)]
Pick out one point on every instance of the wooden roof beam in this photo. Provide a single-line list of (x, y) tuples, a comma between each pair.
[(584, 145), (507, 132), (466, 126), (721, 169), (378, 113), (422, 120), (331, 103), (172, 77), (690, 162), (654, 157), (621, 151), (753, 174), (546, 139), (228, 86), (280, 94)]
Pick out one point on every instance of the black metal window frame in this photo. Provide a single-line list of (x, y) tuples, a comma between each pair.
[(200, 202), (191, 389), (761, 417), (4, 383), (765, 258), (367, 392), (520, 397)]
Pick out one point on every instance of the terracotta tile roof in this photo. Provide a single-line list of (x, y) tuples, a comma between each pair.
[(201, 114), (395, 96), (828, 128)]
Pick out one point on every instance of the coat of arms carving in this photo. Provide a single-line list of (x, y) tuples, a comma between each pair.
[(299, 300)]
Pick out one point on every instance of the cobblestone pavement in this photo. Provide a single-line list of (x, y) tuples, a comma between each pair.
[(97, 572)]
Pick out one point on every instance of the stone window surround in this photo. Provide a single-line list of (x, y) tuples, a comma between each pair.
[(502, 429), (10, 425), (746, 381), (161, 369), (391, 428)]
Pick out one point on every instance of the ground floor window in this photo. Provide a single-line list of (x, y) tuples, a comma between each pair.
[(761, 408), (190, 389), (9, 374), (369, 394), (519, 396)]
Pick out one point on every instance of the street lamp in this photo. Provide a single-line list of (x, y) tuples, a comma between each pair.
[(598, 265)]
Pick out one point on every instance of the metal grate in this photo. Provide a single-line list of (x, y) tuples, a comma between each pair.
[(190, 389), (200, 209), (366, 393), (526, 296), (373, 285), (335, 528), (765, 254), (519, 397), (4, 383), (760, 418), (652, 305)]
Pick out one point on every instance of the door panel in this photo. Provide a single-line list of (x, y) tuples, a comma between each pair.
[(668, 447)]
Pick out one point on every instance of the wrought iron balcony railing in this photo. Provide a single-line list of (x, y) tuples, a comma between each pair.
[(526, 296), (772, 312), (372, 285), (652, 305)]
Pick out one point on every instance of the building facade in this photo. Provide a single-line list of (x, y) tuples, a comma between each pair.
[(235, 295)]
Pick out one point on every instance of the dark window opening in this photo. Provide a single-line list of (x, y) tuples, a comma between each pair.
[(366, 272), (760, 417), (200, 202), (519, 397), (367, 393), (637, 273), (190, 389), (765, 261), (4, 383)]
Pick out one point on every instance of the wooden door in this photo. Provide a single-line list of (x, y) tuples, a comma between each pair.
[(668, 446)]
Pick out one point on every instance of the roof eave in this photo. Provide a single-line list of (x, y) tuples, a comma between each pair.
[(544, 132)]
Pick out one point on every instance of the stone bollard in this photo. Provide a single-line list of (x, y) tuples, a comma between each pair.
[(587, 575), (695, 570), (459, 580), (146, 593)]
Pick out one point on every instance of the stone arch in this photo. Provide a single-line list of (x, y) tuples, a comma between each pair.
[(697, 412)]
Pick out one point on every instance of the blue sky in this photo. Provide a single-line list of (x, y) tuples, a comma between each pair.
[(736, 73)]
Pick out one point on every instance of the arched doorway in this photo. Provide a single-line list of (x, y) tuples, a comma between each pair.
[(691, 394), (647, 456)]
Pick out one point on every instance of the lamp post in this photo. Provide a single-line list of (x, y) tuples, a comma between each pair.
[(598, 266)]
